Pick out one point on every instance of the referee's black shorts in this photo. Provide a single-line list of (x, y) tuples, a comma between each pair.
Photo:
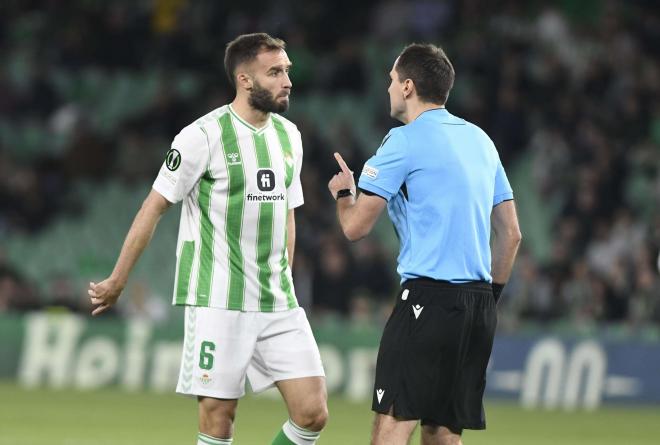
[(434, 353)]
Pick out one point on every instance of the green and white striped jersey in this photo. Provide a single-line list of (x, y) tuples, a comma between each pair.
[(237, 184)]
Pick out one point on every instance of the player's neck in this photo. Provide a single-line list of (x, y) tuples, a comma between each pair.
[(258, 119), (417, 108)]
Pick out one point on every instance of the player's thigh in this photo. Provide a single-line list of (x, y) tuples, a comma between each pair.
[(305, 396), (218, 347), (285, 350), (215, 409)]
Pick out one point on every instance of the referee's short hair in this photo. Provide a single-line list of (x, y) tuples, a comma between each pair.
[(245, 48), (430, 70)]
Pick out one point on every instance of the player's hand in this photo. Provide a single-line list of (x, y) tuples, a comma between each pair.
[(342, 180), (104, 294)]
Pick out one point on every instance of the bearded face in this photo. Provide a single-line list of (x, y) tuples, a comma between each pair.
[(263, 100)]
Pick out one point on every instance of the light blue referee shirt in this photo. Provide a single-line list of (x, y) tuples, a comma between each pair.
[(441, 177)]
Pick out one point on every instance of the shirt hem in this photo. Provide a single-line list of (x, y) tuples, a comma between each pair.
[(276, 309), (165, 194)]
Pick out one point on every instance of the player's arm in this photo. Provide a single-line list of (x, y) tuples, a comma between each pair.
[(356, 216), (506, 241), (294, 196), (106, 293), (291, 235)]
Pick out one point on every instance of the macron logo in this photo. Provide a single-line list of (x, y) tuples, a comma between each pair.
[(379, 394), (417, 309)]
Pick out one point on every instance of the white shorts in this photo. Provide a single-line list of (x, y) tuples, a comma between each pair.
[(222, 347)]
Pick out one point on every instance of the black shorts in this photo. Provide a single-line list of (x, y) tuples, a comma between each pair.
[(434, 353)]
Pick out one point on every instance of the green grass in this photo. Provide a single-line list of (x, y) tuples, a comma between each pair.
[(113, 417)]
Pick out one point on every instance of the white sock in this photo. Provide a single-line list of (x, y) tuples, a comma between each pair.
[(205, 439), (299, 436)]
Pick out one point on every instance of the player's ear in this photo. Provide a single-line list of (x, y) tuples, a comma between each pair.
[(244, 80)]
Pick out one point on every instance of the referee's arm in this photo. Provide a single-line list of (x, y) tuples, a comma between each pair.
[(358, 216), (504, 222)]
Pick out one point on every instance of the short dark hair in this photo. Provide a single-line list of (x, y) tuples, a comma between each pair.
[(430, 70), (245, 48)]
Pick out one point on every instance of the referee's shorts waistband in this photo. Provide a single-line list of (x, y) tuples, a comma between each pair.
[(475, 286)]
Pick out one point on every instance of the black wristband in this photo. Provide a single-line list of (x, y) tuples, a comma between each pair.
[(497, 291), (343, 193)]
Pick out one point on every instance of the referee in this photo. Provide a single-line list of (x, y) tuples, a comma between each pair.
[(444, 187)]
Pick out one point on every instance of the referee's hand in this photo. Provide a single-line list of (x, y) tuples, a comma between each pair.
[(104, 294), (342, 180)]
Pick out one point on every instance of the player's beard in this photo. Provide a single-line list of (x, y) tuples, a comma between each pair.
[(261, 99)]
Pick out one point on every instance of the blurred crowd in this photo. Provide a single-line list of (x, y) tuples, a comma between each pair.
[(569, 92)]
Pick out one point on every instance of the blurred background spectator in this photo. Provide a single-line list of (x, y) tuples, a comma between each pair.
[(92, 93)]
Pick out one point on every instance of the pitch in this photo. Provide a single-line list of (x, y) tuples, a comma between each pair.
[(113, 417)]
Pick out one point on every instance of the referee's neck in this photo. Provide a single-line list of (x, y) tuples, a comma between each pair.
[(417, 108)]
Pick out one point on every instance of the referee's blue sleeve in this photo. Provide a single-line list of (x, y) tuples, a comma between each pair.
[(503, 190), (385, 172)]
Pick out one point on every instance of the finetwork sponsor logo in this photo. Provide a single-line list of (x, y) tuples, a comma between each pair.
[(369, 171), (266, 198), (266, 180)]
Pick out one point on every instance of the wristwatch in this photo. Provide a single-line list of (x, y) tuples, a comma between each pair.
[(344, 193)]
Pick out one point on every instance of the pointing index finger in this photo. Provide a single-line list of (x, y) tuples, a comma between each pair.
[(99, 309), (342, 164)]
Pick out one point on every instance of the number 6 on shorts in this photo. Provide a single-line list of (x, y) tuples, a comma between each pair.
[(206, 357)]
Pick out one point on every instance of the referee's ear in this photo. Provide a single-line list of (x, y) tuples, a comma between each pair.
[(408, 90)]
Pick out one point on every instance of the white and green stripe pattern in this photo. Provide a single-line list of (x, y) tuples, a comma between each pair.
[(232, 238), (205, 439), (234, 212)]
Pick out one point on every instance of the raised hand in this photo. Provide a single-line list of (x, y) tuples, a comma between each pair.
[(342, 180)]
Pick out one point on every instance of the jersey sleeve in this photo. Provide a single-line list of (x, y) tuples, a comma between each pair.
[(503, 190), (385, 172), (294, 191), (185, 162)]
